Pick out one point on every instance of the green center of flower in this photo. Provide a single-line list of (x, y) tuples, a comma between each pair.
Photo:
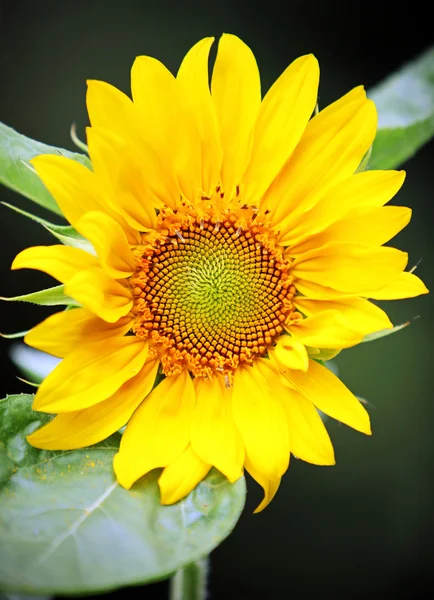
[(211, 296)]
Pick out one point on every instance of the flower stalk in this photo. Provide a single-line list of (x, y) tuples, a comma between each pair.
[(189, 583)]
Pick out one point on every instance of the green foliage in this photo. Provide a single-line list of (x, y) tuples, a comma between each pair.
[(64, 233), (54, 296), (384, 332), (16, 173), (405, 104), (67, 527)]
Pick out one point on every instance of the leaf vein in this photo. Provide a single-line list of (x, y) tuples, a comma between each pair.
[(70, 531)]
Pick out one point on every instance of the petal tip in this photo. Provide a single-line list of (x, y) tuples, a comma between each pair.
[(168, 495), (42, 406), (36, 439), (122, 479), (423, 289), (39, 159), (330, 458), (166, 500), (36, 405), (359, 92), (233, 477), (16, 264), (32, 439), (365, 427), (311, 58)]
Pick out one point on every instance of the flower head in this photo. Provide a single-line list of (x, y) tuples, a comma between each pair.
[(229, 246)]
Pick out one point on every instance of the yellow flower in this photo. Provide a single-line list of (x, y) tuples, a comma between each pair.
[(232, 243)]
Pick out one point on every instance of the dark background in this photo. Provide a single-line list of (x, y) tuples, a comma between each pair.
[(364, 527)]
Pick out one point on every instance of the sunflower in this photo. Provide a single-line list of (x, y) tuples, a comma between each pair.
[(230, 245)]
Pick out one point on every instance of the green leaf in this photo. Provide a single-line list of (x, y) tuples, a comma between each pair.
[(384, 332), (64, 233), (67, 527), (16, 173), (405, 104), (54, 296)]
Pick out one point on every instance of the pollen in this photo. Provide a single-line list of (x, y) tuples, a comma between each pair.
[(210, 294)]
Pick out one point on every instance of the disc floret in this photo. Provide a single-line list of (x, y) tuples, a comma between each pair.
[(210, 291)]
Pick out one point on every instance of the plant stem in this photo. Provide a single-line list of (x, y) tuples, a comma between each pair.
[(189, 583)]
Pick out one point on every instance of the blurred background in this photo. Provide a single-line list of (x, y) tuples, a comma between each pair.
[(365, 526)]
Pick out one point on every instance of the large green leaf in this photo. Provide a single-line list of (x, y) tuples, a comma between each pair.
[(16, 150), (405, 104), (66, 526)]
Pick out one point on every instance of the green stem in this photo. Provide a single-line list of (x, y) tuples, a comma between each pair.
[(189, 583)]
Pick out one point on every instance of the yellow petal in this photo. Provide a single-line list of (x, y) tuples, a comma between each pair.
[(406, 285), (181, 477), (369, 189), (214, 437), (261, 422), (62, 332), (167, 123), (349, 267), (85, 427), (105, 297), (326, 329), (270, 486), (282, 119), (317, 291), (363, 190), (137, 178), (236, 93), (193, 81), (330, 150), (291, 353), (159, 430), (143, 182), (110, 243), (109, 108), (362, 316), (309, 438), (75, 188), (90, 374), (61, 262), (121, 147), (370, 226), (331, 396)]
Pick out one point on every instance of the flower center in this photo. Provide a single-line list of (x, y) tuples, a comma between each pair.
[(210, 295)]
